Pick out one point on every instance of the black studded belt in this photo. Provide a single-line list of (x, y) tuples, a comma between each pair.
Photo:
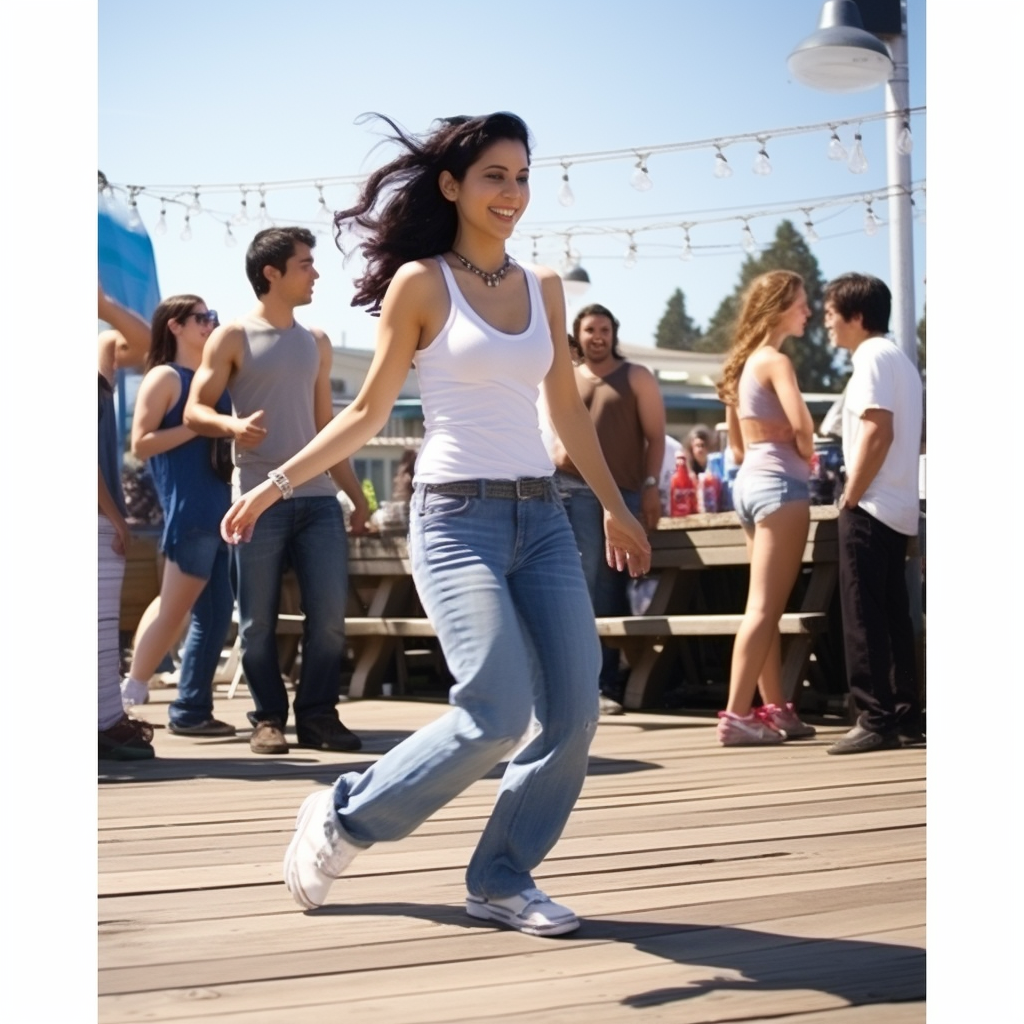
[(520, 490)]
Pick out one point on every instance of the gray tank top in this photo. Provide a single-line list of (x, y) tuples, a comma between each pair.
[(755, 401), (278, 374)]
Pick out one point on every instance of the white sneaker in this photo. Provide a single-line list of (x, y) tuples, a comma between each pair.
[(530, 911), (318, 852), (133, 692)]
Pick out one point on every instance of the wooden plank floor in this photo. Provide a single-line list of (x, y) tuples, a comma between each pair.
[(746, 884)]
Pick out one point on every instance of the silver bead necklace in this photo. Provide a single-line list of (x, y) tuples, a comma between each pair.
[(491, 280)]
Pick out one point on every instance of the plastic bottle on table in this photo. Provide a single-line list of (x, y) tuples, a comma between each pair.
[(709, 487), (682, 493)]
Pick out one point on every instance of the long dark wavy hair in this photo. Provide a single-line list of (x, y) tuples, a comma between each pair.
[(401, 208), (163, 347)]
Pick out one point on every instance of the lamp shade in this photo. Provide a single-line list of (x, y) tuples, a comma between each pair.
[(841, 56), (575, 281)]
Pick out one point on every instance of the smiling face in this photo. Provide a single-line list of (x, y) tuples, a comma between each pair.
[(193, 328), (843, 333), (596, 335), (493, 194)]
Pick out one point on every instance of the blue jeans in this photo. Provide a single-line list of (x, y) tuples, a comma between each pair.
[(207, 630), (500, 580), (307, 534), (608, 588)]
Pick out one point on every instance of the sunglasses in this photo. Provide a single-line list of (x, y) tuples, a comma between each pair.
[(209, 317)]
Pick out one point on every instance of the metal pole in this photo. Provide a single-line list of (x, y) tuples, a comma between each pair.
[(901, 242)]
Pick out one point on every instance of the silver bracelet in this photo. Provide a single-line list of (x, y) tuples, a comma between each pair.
[(281, 482)]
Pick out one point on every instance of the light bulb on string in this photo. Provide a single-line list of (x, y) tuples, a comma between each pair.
[(263, 221), (809, 233), (229, 238), (324, 214), (722, 168), (195, 206), (858, 162), (762, 164), (242, 217), (687, 253), (565, 196), (747, 239), (134, 219), (186, 231), (631, 254), (640, 179), (836, 150), (871, 221), (161, 224), (904, 141)]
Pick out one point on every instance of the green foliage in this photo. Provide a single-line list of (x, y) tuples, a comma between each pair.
[(817, 368), (676, 329)]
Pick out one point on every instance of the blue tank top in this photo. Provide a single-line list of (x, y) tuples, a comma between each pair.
[(191, 494)]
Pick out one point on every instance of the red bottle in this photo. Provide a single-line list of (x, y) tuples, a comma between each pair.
[(682, 493), (708, 489)]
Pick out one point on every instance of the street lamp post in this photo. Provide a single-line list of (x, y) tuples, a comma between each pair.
[(857, 46)]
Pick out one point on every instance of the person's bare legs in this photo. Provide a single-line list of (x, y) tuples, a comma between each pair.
[(155, 637), (776, 549)]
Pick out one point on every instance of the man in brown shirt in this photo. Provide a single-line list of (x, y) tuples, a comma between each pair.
[(629, 416)]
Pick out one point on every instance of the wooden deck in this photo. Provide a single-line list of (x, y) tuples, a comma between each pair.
[(746, 884)]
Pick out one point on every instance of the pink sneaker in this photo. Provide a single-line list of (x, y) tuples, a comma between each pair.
[(786, 719), (754, 729)]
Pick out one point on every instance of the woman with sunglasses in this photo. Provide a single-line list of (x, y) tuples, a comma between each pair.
[(194, 497), (493, 555)]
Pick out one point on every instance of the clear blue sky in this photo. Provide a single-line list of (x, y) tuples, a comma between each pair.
[(267, 93)]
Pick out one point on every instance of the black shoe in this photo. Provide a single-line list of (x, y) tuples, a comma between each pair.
[(325, 732), (911, 739), (860, 740)]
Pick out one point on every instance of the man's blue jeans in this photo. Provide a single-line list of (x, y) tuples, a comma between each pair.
[(608, 588), (500, 580), (308, 535)]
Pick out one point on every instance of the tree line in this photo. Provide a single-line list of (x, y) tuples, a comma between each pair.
[(819, 367)]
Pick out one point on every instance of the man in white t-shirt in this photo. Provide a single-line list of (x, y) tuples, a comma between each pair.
[(879, 511)]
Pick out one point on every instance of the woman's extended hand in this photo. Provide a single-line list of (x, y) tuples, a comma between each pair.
[(240, 520), (626, 545)]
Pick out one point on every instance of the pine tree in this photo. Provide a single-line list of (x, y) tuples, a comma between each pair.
[(676, 329), (922, 341), (817, 368)]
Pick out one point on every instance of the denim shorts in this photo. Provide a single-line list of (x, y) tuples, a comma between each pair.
[(758, 494), (194, 551)]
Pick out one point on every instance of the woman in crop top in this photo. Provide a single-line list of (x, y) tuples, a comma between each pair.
[(492, 551), (772, 438), (196, 584)]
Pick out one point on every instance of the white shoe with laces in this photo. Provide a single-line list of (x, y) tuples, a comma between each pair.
[(530, 911), (318, 852)]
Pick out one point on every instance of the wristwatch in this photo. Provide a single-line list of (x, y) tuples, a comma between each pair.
[(651, 482)]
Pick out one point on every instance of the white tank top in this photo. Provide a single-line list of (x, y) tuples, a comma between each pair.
[(479, 389)]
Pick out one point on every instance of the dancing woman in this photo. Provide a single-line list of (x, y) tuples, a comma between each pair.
[(772, 438), (492, 552)]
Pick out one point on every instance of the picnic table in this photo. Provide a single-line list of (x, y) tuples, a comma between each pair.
[(385, 611)]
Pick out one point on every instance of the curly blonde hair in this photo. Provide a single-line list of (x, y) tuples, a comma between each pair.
[(767, 297)]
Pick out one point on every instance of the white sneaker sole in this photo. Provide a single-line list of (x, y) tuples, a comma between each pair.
[(313, 806), (479, 908)]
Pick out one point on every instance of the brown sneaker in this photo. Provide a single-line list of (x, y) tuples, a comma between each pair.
[(268, 738), (128, 739)]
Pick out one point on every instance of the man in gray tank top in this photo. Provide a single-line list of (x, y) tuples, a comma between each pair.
[(278, 374)]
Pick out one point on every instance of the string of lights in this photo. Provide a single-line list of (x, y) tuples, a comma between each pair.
[(190, 196)]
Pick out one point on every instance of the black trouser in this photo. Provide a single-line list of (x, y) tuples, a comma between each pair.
[(877, 633)]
